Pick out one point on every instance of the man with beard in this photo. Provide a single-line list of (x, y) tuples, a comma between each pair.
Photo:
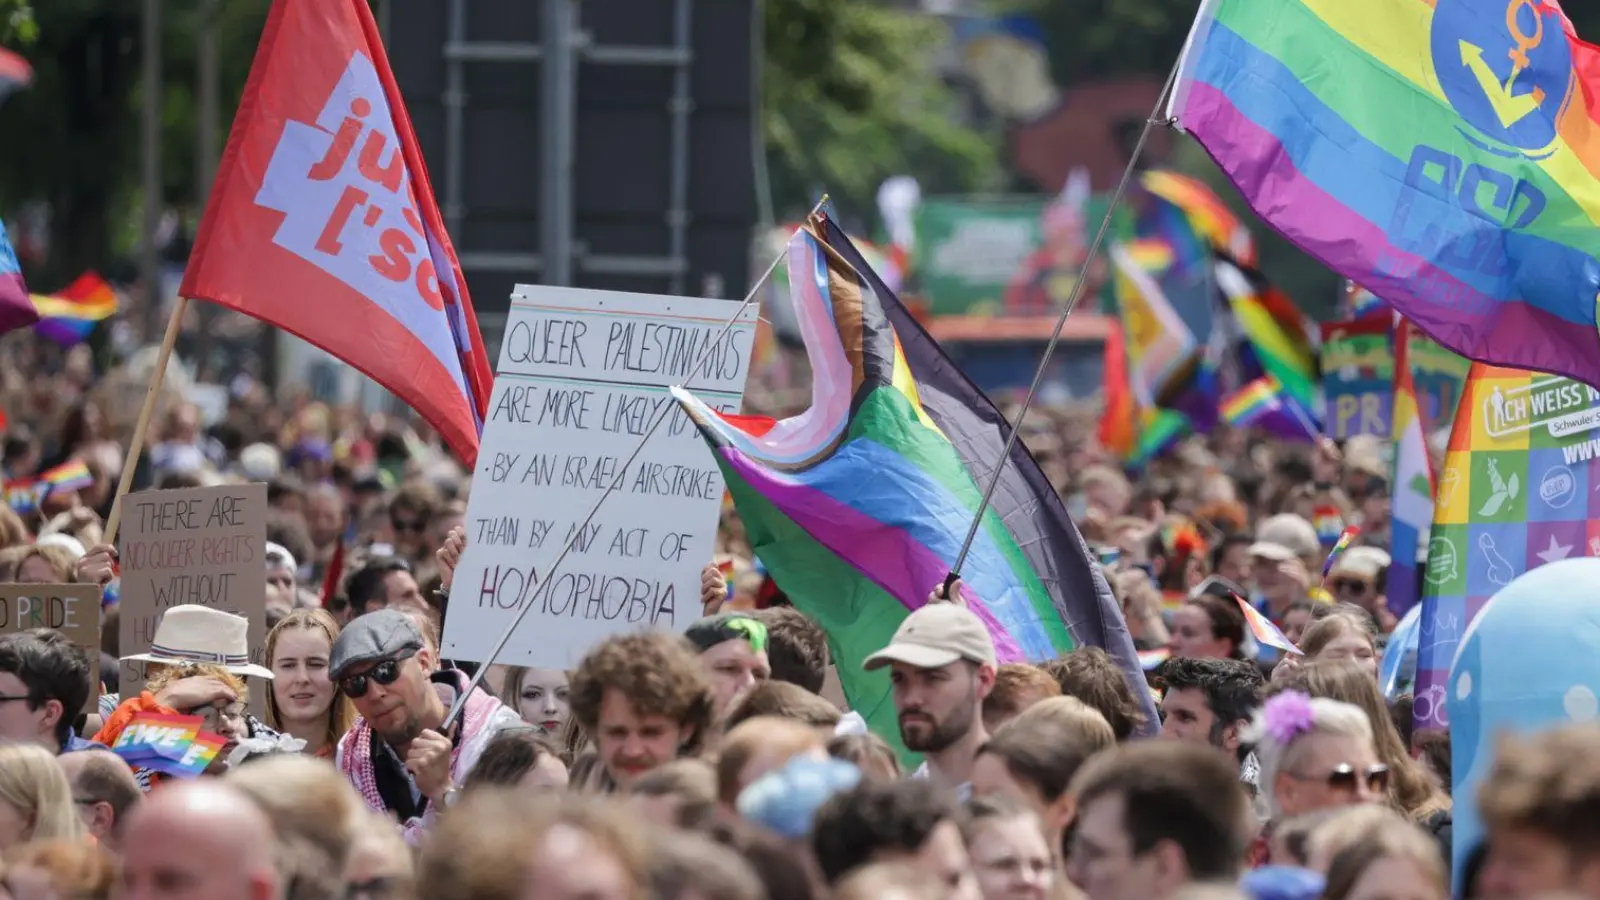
[(397, 755), (942, 665)]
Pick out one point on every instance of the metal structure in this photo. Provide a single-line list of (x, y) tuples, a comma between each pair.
[(593, 143)]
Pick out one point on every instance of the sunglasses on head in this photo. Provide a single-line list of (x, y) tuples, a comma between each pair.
[(384, 673), (1344, 776)]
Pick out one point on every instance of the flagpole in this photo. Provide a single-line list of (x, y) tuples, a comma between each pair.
[(1061, 321), (666, 409), (142, 426)]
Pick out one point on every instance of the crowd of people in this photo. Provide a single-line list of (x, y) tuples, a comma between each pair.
[(712, 764)]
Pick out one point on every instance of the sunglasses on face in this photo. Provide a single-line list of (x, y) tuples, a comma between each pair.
[(416, 526), (1350, 586), (1344, 777), (384, 673)]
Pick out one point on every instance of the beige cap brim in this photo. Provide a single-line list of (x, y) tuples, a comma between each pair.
[(1269, 550), (912, 655)]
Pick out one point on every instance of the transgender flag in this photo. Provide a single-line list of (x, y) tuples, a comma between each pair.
[(1411, 514)]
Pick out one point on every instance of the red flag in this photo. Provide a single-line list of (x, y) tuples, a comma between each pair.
[(322, 221)]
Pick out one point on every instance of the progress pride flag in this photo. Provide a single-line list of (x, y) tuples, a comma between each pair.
[(322, 221)]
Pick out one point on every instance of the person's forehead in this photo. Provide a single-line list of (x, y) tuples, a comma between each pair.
[(732, 649), (1189, 698), (11, 684)]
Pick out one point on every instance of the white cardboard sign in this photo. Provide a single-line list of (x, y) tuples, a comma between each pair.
[(582, 377)]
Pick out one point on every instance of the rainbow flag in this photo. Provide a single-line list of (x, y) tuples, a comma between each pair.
[(24, 496), (1207, 214), (68, 316), (172, 744), (72, 475), (1520, 487), (1264, 404), (1411, 514), (1160, 347), (858, 506), (1149, 659), (1340, 544), (1276, 339), (1265, 631), (1444, 153)]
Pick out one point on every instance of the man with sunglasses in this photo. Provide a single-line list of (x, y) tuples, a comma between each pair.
[(397, 755), (1358, 577)]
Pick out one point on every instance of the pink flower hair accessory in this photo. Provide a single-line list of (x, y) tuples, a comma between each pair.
[(1288, 715)]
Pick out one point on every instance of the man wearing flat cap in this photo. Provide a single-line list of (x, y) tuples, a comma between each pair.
[(397, 755)]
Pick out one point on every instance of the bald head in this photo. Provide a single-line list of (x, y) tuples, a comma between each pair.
[(199, 839), (104, 791)]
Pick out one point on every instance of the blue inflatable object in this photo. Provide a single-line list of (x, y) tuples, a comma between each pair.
[(1398, 671), (1525, 664)]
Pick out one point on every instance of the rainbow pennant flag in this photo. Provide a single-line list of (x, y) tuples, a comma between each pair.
[(1263, 629), (1519, 488), (1277, 339), (858, 505), (1443, 153), (1264, 404), (68, 316)]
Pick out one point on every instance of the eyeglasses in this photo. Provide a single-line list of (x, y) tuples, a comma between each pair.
[(15, 698), (372, 889), (1344, 777), (384, 673), (1349, 586)]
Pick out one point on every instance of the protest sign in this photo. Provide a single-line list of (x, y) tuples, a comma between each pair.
[(71, 609), (583, 376), (1357, 377), (202, 546)]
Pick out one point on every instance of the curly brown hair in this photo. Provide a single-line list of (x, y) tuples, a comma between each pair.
[(659, 673)]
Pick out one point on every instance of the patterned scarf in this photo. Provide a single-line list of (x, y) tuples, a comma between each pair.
[(355, 748)]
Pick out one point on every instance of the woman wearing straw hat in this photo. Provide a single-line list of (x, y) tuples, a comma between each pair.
[(195, 666)]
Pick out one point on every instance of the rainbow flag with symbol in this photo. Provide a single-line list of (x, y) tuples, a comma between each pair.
[(1443, 153), (1520, 487)]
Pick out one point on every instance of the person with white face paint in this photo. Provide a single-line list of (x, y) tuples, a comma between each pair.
[(539, 696)]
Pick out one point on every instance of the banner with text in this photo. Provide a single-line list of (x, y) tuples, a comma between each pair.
[(71, 609), (201, 546), (583, 375), (1358, 376)]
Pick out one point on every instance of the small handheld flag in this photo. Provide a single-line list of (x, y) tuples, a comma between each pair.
[(170, 744), (1149, 659), (1265, 632), (1339, 546)]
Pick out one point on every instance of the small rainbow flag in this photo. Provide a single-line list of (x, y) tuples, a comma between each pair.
[(68, 316), (1149, 659), (1264, 404), (1339, 546), (23, 496), (72, 475), (167, 743), (1265, 632)]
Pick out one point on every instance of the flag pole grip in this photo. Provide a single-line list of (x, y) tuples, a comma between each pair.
[(142, 426)]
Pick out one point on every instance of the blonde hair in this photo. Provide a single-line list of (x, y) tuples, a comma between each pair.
[(1331, 717), (342, 713), (33, 784), (76, 869), (1411, 789), (376, 836), (59, 559), (314, 812), (1344, 828)]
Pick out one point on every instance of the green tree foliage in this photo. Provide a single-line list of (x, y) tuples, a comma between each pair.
[(850, 97)]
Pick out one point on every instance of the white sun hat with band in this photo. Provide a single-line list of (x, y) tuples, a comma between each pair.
[(200, 634)]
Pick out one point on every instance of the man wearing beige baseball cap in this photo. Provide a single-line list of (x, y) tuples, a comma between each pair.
[(941, 665)]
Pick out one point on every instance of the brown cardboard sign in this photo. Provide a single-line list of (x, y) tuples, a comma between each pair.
[(71, 609), (202, 546)]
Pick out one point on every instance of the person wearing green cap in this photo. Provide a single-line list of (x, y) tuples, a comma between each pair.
[(733, 649)]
